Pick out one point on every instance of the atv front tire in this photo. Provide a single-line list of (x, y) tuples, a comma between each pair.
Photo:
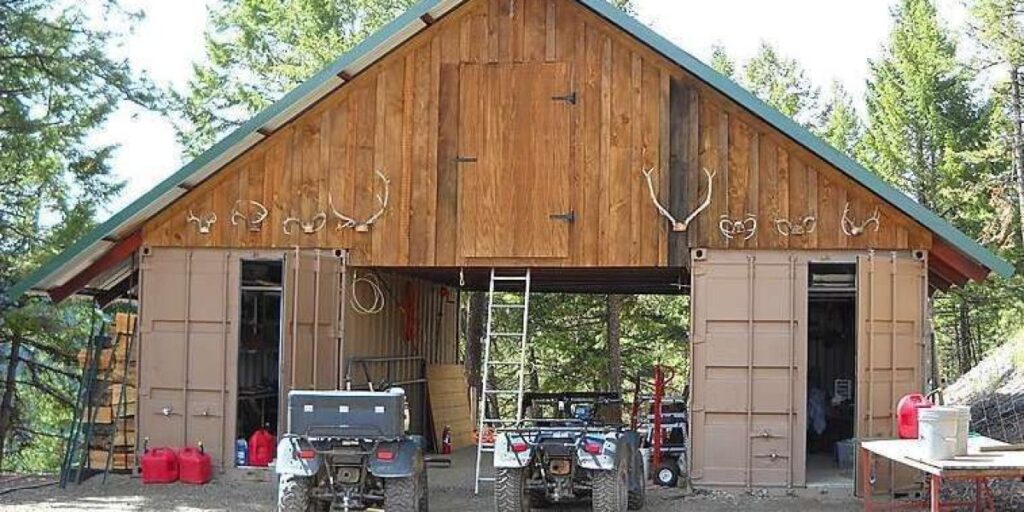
[(404, 493), (611, 488), (510, 493), (293, 494), (637, 482)]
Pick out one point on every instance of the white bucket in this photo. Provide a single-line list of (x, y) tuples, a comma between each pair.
[(937, 427), (963, 426)]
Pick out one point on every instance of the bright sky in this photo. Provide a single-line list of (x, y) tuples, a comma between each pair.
[(832, 40)]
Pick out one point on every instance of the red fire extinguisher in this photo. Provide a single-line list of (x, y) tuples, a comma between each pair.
[(446, 440)]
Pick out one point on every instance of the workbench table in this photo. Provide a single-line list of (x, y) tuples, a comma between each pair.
[(976, 465)]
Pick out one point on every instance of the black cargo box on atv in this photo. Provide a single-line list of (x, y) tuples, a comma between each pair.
[(352, 415)]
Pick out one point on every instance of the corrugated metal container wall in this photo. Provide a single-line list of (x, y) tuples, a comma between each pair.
[(417, 318), (749, 367), (186, 341), (892, 290)]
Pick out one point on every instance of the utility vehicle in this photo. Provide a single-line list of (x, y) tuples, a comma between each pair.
[(571, 447), (348, 450)]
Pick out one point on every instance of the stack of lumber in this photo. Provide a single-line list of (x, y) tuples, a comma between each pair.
[(449, 404), (114, 399), (994, 389)]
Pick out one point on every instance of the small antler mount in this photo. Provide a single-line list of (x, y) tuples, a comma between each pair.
[(308, 227), (203, 223), (746, 228), (250, 212)]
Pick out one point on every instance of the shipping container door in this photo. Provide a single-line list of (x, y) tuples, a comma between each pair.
[(749, 352), (310, 350), (513, 160), (185, 337), (890, 310)]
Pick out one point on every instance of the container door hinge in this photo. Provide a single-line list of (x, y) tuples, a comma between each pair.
[(568, 98), (569, 216)]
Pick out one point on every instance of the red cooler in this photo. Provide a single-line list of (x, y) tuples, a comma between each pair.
[(262, 448), (907, 410), (159, 466), (195, 465)]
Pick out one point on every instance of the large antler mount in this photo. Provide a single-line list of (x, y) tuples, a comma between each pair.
[(678, 226), (853, 228), (363, 226)]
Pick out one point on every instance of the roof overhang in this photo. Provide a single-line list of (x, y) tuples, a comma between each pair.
[(81, 255)]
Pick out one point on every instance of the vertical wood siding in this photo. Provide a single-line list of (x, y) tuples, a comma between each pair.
[(402, 116)]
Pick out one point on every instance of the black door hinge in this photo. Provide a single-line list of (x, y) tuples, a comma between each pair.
[(569, 216), (568, 98)]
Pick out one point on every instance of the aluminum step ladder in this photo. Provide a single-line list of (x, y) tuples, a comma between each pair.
[(508, 298)]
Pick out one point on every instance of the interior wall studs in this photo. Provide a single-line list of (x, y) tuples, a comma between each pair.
[(204, 223), (804, 226), (346, 222), (309, 227), (746, 227), (852, 228), (255, 216), (678, 226)]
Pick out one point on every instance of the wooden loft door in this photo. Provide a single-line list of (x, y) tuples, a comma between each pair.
[(514, 167)]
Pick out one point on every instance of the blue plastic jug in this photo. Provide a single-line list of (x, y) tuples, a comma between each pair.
[(241, 453)]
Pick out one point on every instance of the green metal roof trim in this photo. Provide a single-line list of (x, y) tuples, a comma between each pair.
[(872, 181), (724, 85)]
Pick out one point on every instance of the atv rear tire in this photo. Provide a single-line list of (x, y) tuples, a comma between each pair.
[(293, 494), (510, 494), (637, 482), (424, 491), (611, 488), (404, 493)]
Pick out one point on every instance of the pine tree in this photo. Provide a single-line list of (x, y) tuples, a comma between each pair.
[(840, 125), (998, 28), (923, 117), (782, 83), (926, 132), (58, 84), (721, 62)]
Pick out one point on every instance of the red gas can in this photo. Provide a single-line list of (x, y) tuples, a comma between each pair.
[(907, 411), (262, 448), (159, 466), (195, 465)]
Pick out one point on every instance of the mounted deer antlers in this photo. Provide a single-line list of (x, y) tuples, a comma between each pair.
[(733, 228), (254, 219), (853, 229), (676, 225), (363, 226), (804, 226), (202, 224), (312, 226)]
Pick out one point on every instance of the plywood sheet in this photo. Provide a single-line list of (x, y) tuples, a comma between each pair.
[(449, 403)]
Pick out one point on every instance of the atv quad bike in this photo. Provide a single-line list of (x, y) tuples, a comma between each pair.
[(347, 450), (572, 448)]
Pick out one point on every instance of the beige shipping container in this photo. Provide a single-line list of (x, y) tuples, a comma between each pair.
[(749, 359), (189, 339)]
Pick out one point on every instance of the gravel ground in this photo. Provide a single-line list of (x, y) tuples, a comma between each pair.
[(122, 493)]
